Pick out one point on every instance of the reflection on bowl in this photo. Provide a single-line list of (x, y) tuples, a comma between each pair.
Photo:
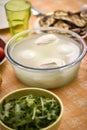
[(25, 96), (2, 53), (46, 57)]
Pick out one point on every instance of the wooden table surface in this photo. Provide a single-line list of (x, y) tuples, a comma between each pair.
[(74, 95)]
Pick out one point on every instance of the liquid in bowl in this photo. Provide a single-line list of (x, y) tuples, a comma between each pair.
[(46, 60)]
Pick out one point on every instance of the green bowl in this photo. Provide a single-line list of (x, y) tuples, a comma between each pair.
[(37, 92)]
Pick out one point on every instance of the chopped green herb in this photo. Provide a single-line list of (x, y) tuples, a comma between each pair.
[(30, 112)]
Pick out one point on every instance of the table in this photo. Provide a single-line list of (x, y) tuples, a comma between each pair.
[(74, 95)]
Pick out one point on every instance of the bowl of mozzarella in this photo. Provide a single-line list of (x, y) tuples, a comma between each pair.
[(46, 57)]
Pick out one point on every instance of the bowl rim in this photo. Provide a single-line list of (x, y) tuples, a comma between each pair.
[(37, 89), (79, 58), (4, 59)]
